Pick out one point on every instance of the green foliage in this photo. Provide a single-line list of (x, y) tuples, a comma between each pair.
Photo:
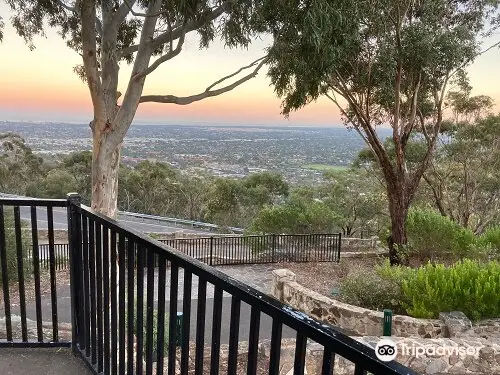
[(11, 249), (372, 291), (295, 217), (467, 286), (19, 166), (489, 241), (155, 330), (431, 234), (357, 200)]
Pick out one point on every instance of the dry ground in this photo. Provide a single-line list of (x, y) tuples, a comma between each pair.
[(323, 277)]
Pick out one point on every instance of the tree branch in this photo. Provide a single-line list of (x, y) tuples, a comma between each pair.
[(122, 11), (89, 56), (177, 32), (130, 5), (204, 95), (168, 56), (67, 7), (131, 98)]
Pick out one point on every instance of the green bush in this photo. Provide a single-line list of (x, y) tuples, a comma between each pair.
[(11, 250), (155, 331), (372, 291), (468, 286), (489, 242), (432, 235)]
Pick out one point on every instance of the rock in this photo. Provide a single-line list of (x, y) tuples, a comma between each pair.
[(487, 354), (435, 366), (453, 360)]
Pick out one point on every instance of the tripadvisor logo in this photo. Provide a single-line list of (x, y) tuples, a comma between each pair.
[(386, 350)]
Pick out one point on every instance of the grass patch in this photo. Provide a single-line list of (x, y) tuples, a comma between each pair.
[(325, 167)]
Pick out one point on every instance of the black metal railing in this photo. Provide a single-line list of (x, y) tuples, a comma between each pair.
[(258, 249), (127, 321), (235, 250), (124, 311), (29, 306)]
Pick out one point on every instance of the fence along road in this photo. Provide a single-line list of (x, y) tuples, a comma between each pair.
[(141, 222)]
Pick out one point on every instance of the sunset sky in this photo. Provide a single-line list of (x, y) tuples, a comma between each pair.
[(40, 85)]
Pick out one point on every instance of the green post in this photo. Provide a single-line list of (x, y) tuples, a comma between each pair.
[(387, 322), (178, 328)]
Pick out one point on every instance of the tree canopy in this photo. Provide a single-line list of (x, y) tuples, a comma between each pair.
[(146, 34), (383, 62)]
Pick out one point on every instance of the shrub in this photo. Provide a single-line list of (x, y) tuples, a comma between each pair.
[(431, 234), (370, 290), (155, 331), (11, 249), (467, 286), (489, 242)]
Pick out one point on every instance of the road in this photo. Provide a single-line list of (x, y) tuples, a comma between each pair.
[(257, 276), (139, 224)]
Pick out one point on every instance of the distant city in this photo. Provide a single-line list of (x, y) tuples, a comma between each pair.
[(301, 154)]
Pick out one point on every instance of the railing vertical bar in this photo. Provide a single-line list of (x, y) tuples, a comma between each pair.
[(339, 245), (114, 318), (216, 331), (359, 370), (130, 305), (150, 310), (99, 305), (140, 309), (53, 282), (121, 304), (200, 326), (274, 355), (328, 361), (172, 331), (105, 268), (186, 315), (86, 293), (75, 268), (160, 329), (20, 272), (93, 287), (234, 329), (300, 354), (5, 276), (36, 273), (253, 341)]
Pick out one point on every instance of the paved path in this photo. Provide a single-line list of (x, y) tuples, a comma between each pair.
[(256, 276), (40, 361)]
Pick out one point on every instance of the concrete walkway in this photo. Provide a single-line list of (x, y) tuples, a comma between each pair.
[(40, 361)]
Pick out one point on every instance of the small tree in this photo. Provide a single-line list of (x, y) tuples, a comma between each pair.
[(383, 62), (110, 32)]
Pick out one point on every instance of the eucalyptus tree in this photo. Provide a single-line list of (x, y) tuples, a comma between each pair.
[(146, 34), (381, 63)]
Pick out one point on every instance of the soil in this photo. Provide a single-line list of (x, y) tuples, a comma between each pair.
[(323, 277), (62, 278)]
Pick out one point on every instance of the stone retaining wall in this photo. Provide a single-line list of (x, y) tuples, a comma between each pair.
[(358, 320)]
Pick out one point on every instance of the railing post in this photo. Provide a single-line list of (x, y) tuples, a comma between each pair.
[(74, 244), (387, 331), (273, 249), (211, 248), (338, 247)]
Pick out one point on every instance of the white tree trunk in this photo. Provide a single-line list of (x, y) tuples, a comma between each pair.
[(105, 167)]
